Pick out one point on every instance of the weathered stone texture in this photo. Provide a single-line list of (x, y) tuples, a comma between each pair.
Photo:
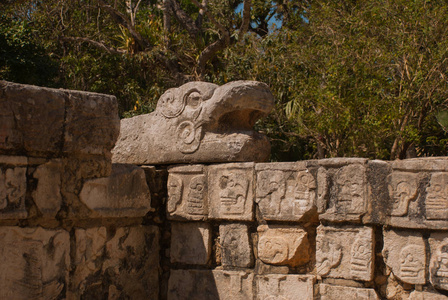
[(438, 268), (124, 193), (123, 263), (73, 121), (199, 122), (47, 196), (210, 284), (347, 198), (285, 287), (404, 252), (235, 245), (34, 263), (231, 194), (345, 252), (282, 245), (332, 292), (417, 295), (191, 243), (13, 188), (285, 191), (187, 193)]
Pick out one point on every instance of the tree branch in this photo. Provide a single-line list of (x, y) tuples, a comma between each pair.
[(183, 18), (124, 21), (246, 17), (94, 43)]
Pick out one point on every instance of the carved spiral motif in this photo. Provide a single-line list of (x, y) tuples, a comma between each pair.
[(188, 137), (170, 105)]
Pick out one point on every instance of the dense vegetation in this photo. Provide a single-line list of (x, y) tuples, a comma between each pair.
[(351, 78)]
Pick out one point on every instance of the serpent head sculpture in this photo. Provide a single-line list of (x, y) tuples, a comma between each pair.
[(199, 122)]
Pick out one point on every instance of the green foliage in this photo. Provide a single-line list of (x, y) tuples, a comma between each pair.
[(351, 78)]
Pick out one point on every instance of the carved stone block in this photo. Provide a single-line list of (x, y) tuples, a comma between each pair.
[(333, 292), (12, 192), (199, 122), (282, 245), (34, 263), (191, 243), (121, 263), (206, 284), (47, 196), (235, 245), (438, 267), (187, 193), (417, 295), (124, 193), (436, 204), (285, 191), (345, 252), (347, 198), (92, 124), (230, 191), (285, 287), (404, 252)]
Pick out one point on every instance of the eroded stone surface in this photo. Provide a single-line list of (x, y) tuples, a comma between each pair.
[(191, 243), (187, 193), (12, 192), (402, 189), (34, 263), (345, 252), (438, 267), (199, 122), (47, 196), (124, 193), (348, 197), (417, 295), (123, 263), (332, 292), (73, 121), (235, 246), (404, 252), (207, 284), (285, 191), (231, 194), (285, 287), (281, 245)]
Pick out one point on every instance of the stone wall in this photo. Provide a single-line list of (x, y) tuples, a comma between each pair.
[(71, 223), (75, 226), (343, 228)]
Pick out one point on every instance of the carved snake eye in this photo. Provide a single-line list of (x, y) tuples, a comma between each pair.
[(170, 105), (193, 98)]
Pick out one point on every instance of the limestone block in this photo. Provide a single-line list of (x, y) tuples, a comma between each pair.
[(417, 295), (404, 252), (122, 262), (199, 122), (124, 193), (427, 164), (347, 199), (74, 122), (230, 192), (438, 267), (332, 292), (283, 245), (191, 243), (187, 193), (206, 284), (12, 192), (285, 287), (31, 119), (285, 191), (34, 263), (345, 252), (235, 245), (47, 196), (92, 123), (418, 199)]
